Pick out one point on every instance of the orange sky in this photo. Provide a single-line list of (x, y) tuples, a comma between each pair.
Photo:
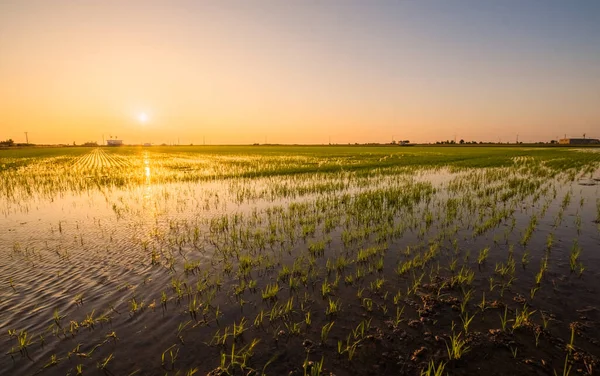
[(296, 72)]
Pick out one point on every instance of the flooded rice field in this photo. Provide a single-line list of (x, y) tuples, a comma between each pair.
[(299, 261)]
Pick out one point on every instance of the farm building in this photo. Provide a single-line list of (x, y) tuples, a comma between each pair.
[(114, 142), (578, 141)]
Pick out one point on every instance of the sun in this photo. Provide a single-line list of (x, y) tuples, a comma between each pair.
[(143, 117)]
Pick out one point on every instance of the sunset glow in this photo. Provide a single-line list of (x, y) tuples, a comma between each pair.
[(299, 187), (143, 117), (234, 72)]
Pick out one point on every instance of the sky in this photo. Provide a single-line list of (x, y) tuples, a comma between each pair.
[(339, 71)]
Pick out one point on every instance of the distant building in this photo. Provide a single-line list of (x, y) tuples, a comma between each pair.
[(147, 144), (114, 142), (578, 141)]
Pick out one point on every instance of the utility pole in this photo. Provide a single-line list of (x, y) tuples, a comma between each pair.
[(517, 138), (26, 138)]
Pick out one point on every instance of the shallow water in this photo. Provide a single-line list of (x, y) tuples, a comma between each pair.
[(90, 255)]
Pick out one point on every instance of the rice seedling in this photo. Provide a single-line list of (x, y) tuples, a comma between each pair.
[(465, 301), (464, 277), (580, 269), (398, 318), (317, 249), (284, 273), (503, 319), (545, 320), (566, 200), (483, 255), (307, 319), (89, 320), (351, 348), (537, 334), (103, 365), (239, 329), (270, 291), (466, 320), (54, 360), (533, 290), (333, 307), (258, 320), (514, 351), (24, 341), (325, 331), (452, 266), (377, 285), (326, 289), (492, 283), (212, 228), (574, 255), (293, 328), (313, 368), (542, 271), (529, 230), (169, 363), (567, 365), (433, 369), (482, 305), (57, 317), (525, 258), (522, 318), (367, 303), (78, 299), (457, 347), (135, 306), (549, 241)]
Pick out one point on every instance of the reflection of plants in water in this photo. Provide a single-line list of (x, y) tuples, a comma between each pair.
[(270, 245)]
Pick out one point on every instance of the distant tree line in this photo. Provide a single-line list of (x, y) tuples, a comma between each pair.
[(463, 142), (10, 142)]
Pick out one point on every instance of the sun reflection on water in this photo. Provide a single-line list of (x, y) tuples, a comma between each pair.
[(147, 168), (148, 194)]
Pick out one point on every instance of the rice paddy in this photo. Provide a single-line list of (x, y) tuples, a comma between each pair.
[(299, 260)]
